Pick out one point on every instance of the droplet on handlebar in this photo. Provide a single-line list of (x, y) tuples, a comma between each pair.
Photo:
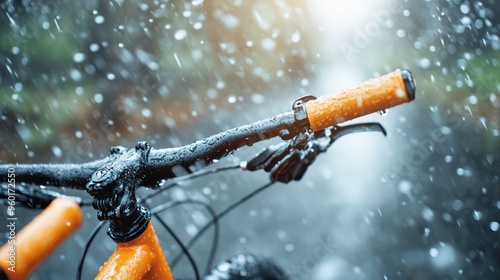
[(384, 112)]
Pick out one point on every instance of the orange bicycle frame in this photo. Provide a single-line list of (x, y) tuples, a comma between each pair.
[(141, 258)]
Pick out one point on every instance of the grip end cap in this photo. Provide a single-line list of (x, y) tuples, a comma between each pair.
[(409, 84)]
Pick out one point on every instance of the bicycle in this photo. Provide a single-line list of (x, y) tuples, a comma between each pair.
[(307, 130)]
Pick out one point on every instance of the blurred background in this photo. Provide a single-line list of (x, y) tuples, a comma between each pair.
[(78, 77)]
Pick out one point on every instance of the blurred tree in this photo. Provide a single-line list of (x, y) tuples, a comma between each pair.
[(106, 69)]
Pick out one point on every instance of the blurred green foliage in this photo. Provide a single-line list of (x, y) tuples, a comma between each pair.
[(70, 65)]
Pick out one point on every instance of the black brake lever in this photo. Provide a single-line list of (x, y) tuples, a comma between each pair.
[(274, 154), (288, 161), (339, 131)]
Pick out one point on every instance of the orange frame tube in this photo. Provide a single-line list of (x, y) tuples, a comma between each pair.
[(40, 238), (141, 258)]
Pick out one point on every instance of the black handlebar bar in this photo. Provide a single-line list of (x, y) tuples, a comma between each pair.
[(159, 163)]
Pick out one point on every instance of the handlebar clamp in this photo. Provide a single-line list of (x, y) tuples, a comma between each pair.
[(300, 115)]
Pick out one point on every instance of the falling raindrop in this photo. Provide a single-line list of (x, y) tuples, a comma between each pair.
[(98, 98), (57, 151), (180, 34), (78, 57), (433, 252), (494, 226), (99, 19), (384, 112)]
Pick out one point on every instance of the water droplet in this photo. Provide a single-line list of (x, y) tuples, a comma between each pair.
[(473, 99), (98, 98), (220, 85), (94, 47), (433, 252), (57, 151), (464, 8), (445, 130), (99, 19), (15, 50), (177, 60), (196, 2), (490, 159), (405, 187), (191, 229), (494, 226), (268, 44), (263, 14), (146, 113), (180, 34), (427, 214), (78, 57), (207, 191), (197, 25), (75, 75), (258, 98), (281, 234), (230, 21), (425, 63), (477, 215), (384, 112), (296, 37), (457, 205)]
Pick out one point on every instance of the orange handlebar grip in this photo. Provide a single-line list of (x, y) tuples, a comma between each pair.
[(372, 96), (40, 237)]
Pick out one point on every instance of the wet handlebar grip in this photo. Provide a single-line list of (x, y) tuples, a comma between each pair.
[(39, 238), (372, 96)]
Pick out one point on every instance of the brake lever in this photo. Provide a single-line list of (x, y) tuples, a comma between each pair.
[(272, 155), (339, 131), (289, 161)]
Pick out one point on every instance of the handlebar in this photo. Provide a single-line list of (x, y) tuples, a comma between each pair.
[(113, 180), (374, 95)]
